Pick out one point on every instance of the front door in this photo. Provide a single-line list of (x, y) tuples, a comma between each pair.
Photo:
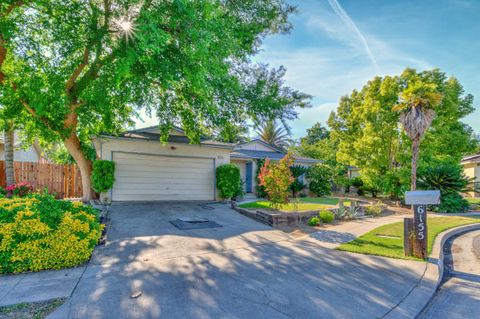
[(248, 176)]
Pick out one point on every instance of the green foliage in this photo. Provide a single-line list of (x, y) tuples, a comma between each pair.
[(315, 134), (186, 62), (39, 232), (229, 182), (277, 178), (273, 134), (366, 131), (326, 216), (297, 185), (450, 181), (314, 221), (374, 210), (319, 177), (3, 192), (259, 189), (340, 212), (103, 175)]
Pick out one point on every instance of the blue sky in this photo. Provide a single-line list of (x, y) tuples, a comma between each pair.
[(338, 45)]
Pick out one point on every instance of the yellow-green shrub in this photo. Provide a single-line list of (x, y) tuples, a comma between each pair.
[(40, 232)]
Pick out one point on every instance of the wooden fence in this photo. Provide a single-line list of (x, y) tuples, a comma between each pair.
[(64, 181)]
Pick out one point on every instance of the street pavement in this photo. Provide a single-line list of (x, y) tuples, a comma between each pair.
[(459, 295)]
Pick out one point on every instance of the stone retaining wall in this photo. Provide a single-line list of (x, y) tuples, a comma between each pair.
[(277, 218)]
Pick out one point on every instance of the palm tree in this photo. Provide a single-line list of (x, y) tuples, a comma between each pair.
[(416, 106), (273, 134)]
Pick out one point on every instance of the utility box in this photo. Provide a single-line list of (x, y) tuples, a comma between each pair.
[(422, 197)]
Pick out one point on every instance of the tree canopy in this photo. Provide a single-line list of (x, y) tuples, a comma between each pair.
[(369, 136), (76, 68)]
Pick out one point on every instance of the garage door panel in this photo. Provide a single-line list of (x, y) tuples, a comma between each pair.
[(121, 180), (159, 159), (172, 164), (165, 175), (154, 177), (170, 197)]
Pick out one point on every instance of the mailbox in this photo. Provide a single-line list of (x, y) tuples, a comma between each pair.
[(422, 197)]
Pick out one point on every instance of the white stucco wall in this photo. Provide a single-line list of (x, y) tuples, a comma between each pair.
[(472, 170)]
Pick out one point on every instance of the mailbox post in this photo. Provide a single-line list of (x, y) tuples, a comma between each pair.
[(419, 201)]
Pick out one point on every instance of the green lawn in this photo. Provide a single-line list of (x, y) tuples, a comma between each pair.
[(388, 240), (290, 207), (323, 200), (473, 200)]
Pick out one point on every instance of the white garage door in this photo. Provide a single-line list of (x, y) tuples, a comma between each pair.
[(141, 177)]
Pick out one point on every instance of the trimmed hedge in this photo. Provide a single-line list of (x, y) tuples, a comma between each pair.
[(229, 182), (39, 232)]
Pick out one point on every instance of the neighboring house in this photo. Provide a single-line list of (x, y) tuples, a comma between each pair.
[(245, 156), (31, 154), (471, 168), (353, 171), (147, 170)]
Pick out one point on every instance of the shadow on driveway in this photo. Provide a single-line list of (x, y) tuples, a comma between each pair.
[(242, 270)]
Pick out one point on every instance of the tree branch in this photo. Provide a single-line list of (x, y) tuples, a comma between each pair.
[(78, 70)]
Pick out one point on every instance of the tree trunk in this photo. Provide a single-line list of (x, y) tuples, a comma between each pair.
[(415, 151), (72, 143), (9, 150)]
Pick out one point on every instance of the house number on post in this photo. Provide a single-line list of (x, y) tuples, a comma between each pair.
[(419, 201), (420, 224)]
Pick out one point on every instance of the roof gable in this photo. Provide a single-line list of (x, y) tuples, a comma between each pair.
[(156, 130), (259, 145)]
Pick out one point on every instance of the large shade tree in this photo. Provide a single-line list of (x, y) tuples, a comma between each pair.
[(366, 129), (76, 68)]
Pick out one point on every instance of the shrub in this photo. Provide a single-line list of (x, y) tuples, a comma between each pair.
[(450, 181), (21, 189), (277, 177), (451, 203), (228, 181), (374, 210), (326, 216), (260, 189), (340, 212), (297, 185), (357, 182), (103, 175), (314, 221), (319, 177), (3, 192), (39, 232)]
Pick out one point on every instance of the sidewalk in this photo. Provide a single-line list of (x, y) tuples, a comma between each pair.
[(39, 286)]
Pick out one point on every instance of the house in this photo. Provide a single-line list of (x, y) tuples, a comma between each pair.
[(353, 171), (471, 168), (32, 154), (246, 155), (147, 170)]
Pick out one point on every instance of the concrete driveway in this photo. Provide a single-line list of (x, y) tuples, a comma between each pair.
[(241, 270)]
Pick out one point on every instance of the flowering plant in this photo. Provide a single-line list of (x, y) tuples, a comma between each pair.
[(21, 189), (276, 178)]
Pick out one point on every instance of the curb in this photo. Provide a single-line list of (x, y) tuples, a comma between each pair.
[(419, 297)]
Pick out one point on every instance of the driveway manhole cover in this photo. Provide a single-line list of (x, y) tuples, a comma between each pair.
[(193, 223)]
